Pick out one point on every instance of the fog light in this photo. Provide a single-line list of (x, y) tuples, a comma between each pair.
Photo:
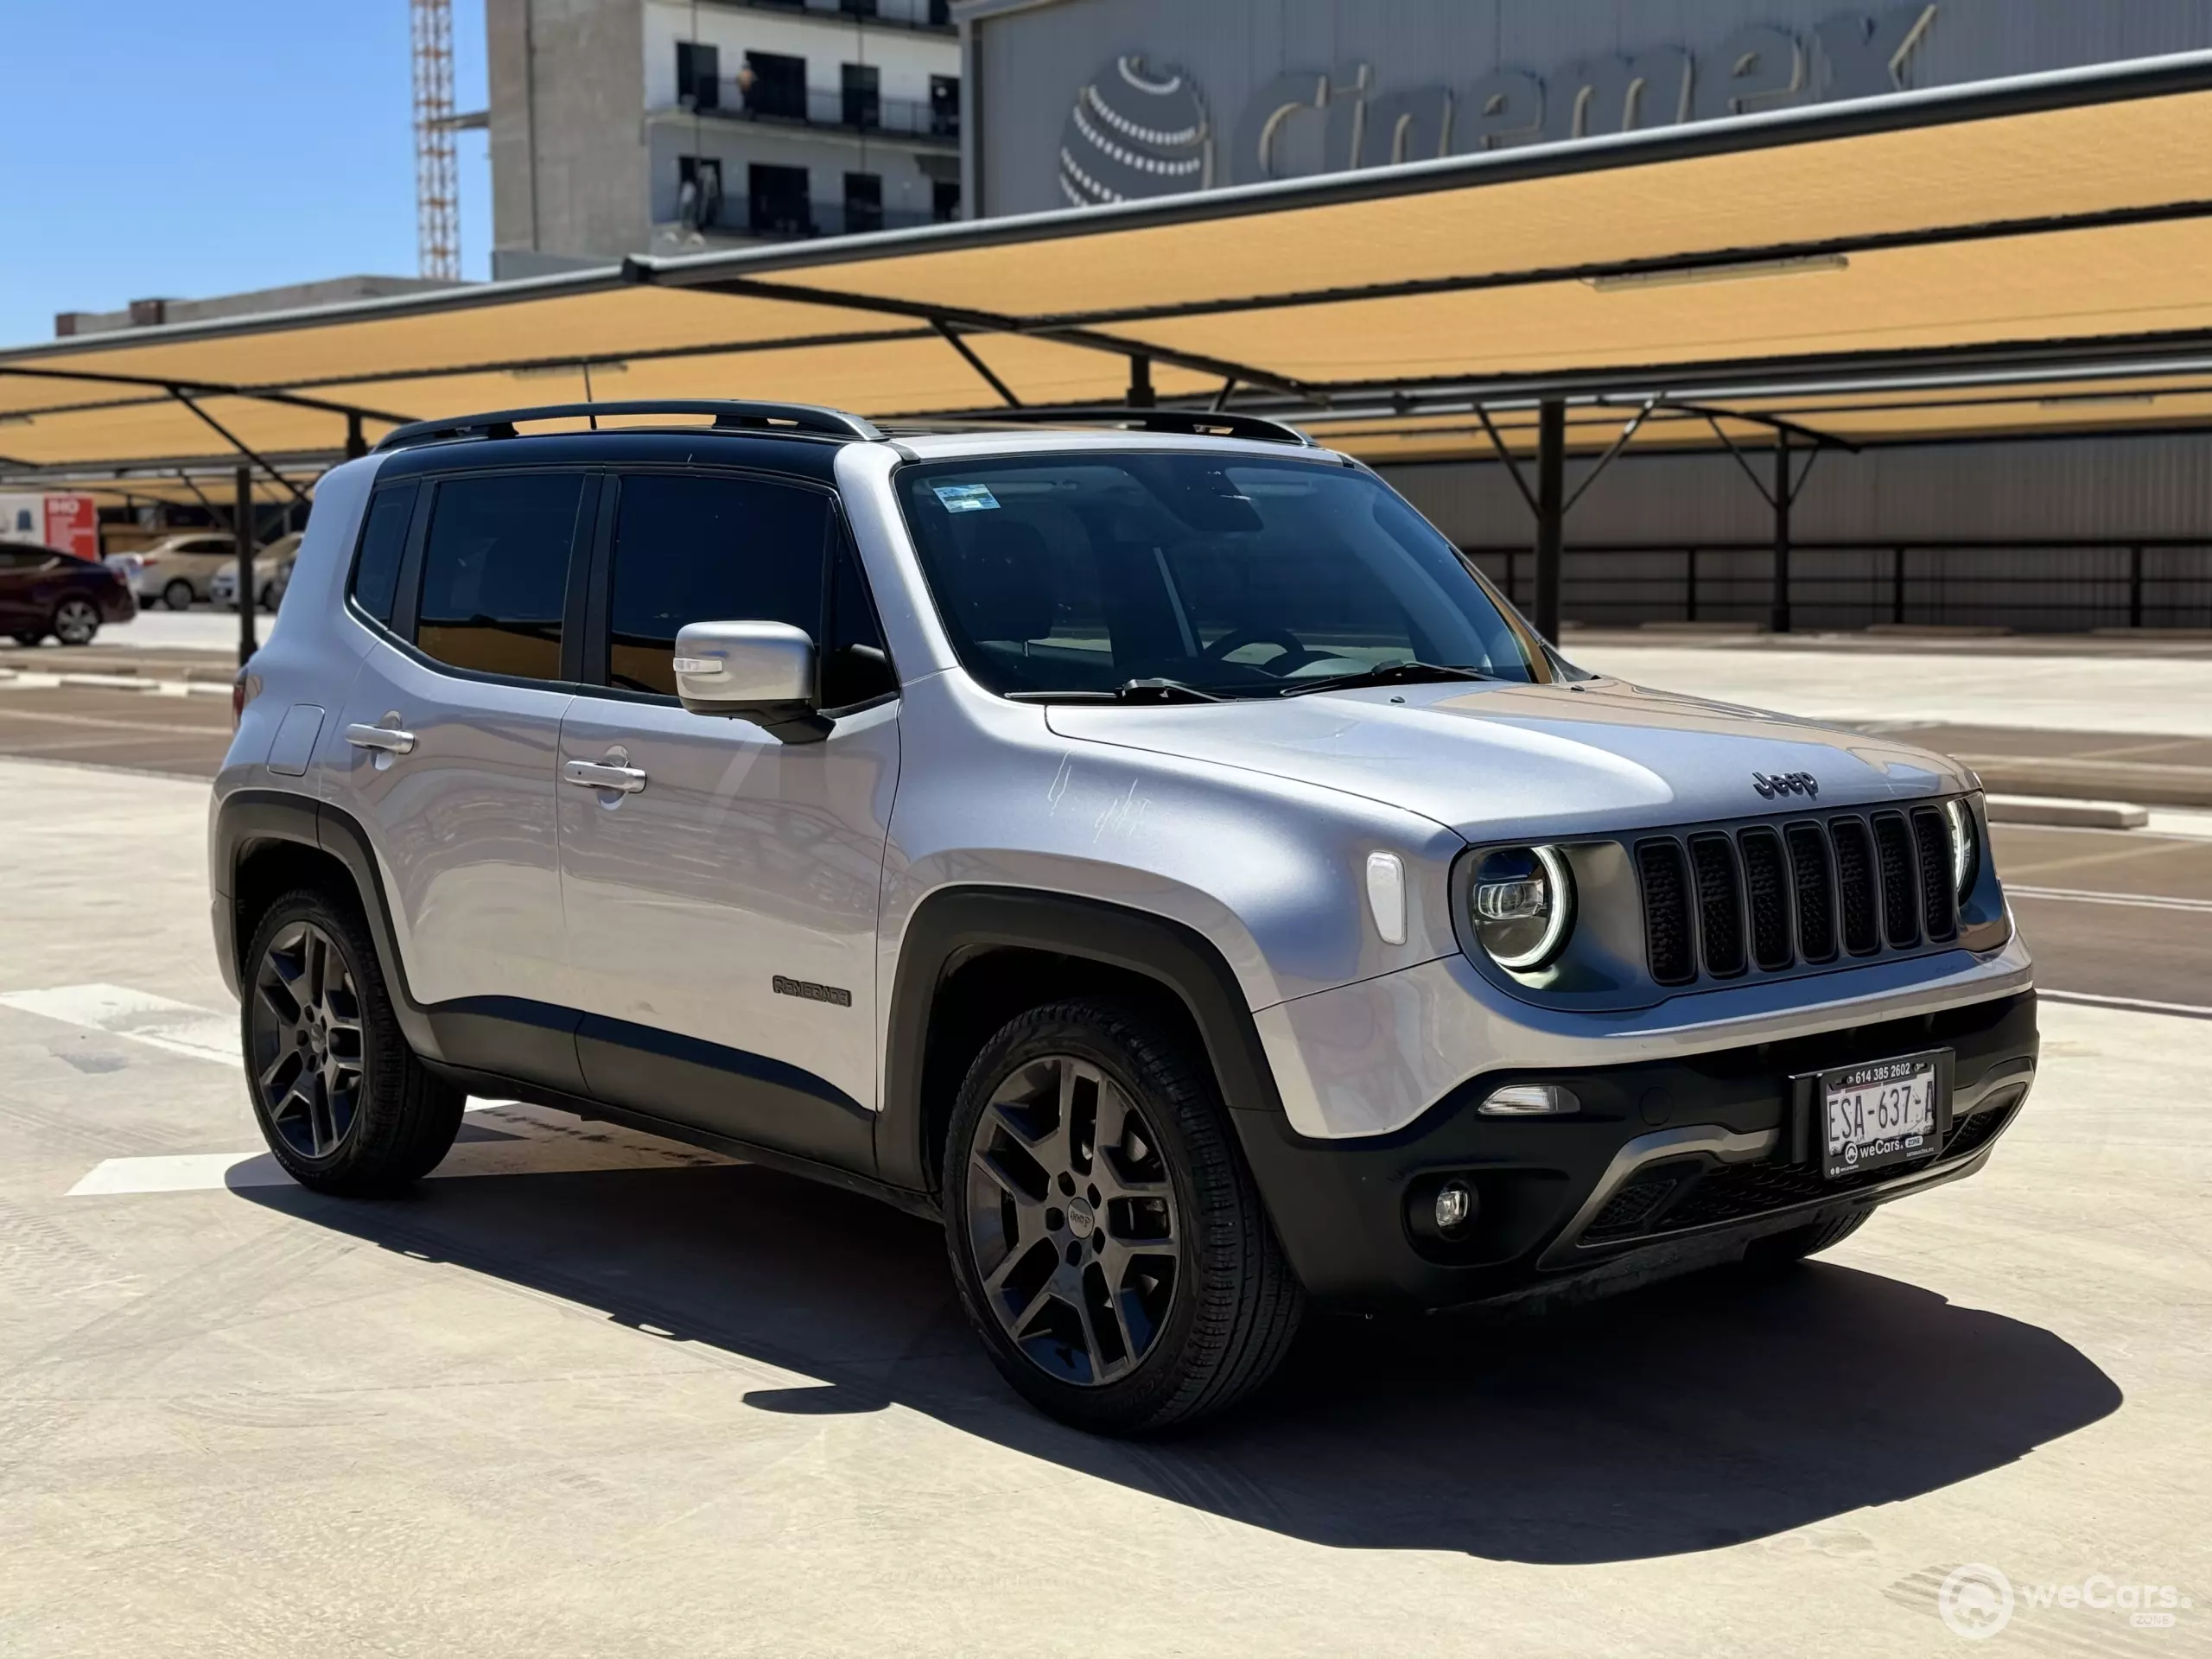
[(1528, 1100), (1455, 1206)]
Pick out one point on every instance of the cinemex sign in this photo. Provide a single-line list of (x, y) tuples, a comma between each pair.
[(1140, 128)]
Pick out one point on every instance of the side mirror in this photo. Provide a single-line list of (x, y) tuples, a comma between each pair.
[(761, 671)]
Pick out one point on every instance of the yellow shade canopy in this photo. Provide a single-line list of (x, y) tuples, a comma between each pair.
[(2014, 258)]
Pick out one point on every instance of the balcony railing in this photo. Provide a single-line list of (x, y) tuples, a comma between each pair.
[(800, 218), (846, 111), (895, 14)]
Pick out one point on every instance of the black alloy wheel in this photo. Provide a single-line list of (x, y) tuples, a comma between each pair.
[(345, 1105), (75, 621), (1106, 1234), (308, 1054), (1072, 1220)]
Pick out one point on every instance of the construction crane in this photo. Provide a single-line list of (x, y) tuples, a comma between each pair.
[(437, 170)]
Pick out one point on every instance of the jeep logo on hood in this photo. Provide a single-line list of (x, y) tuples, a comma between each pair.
[(1771, 783)]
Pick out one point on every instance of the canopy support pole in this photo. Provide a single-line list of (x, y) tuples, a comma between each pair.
[(1139, 382), (1782, 496), (357, 442), (242, 529), (1551, 512)]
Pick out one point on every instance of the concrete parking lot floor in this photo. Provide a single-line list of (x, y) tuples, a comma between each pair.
[(586, 1394)]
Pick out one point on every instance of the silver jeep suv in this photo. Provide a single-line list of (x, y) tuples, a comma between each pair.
[(1143, 842)]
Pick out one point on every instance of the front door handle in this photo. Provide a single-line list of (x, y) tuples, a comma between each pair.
[(594, 774), (390, 739)]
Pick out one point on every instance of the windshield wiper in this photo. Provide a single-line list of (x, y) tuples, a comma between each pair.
[(1385, 674), (1127, 691)]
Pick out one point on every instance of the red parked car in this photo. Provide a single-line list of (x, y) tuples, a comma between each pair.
[(44, 590)]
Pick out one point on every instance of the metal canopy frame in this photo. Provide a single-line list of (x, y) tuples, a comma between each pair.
[(844, 278)]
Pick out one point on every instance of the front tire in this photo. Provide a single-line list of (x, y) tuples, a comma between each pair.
[(1106, 1234), (75, 621), (343, 1102)]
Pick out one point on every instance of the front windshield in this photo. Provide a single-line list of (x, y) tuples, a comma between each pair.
[(1080, 574)]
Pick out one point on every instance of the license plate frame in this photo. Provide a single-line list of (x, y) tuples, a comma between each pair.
[(1838, 1162)]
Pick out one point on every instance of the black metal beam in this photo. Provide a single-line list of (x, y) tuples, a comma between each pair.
[(230, 438), (990, 379), (993, 322), (242, 532), (1782, 496)]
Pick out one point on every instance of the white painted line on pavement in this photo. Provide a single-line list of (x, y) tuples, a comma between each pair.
[(2091, 896), (159, 1021), (536, 1141), (2139, 1005)]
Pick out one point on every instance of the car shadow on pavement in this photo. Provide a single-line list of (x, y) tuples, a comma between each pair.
[(1684, 1416)]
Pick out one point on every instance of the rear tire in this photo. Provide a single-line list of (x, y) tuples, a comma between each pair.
[(344, 1103), (1786, 1249), (29, 639), (178, 594), (1106, 1234)]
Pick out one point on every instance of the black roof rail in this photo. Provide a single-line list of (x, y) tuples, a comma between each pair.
[(807, 418), (1196, 422)]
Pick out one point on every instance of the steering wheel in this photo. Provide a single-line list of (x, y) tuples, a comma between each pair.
[(1293, 647)]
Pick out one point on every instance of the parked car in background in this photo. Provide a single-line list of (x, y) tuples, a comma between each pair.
[(177, 570), (272, 570), (44, 590)]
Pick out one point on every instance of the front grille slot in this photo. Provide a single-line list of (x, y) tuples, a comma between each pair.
[(1719, 905), (1855, 886), (1900, 880), (1768, 897), (1815, 885), (1939, 909), (1766, 889), (1666, 912)]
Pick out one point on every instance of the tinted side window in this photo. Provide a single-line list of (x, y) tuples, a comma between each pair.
[(383, 538), (690, 548), (495, 573)]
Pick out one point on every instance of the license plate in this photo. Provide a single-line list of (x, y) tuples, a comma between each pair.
[(1872, 1117)]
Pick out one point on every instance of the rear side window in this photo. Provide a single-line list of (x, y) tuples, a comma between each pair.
[(694, 549), (495, 573), (383, 538)]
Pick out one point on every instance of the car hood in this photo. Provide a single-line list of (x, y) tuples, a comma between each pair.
[(1492, 758)]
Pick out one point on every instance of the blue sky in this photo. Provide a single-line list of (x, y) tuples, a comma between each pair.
[(153, 148)]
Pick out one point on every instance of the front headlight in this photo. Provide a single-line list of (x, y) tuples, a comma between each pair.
[(1966, 848), (1521, 905)]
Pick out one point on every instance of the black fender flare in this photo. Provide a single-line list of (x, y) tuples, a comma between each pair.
[(954, 923), (249, 818)]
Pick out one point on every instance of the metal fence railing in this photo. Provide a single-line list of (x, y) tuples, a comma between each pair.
[(2059, 585)]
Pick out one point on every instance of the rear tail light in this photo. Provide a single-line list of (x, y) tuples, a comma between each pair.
[(244, 689)]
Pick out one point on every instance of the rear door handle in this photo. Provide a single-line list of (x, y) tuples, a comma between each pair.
[(390, 739), (593, 774)]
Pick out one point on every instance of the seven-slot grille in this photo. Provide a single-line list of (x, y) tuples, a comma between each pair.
[(1804, 892)]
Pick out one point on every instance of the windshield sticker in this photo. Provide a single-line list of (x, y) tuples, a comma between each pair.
[(966, 498)]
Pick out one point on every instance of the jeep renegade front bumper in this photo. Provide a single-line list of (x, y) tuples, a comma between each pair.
[(1663, 1156)]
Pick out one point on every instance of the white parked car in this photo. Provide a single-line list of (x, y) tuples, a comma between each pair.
[(272, 574)]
